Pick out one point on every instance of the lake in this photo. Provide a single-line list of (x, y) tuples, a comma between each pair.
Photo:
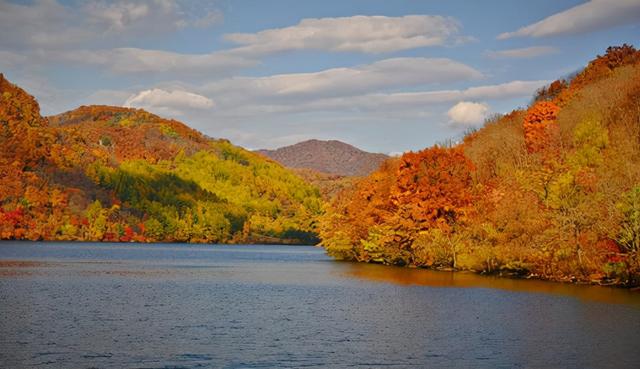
[(87, 305)]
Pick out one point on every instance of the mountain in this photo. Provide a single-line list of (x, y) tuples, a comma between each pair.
[(103, 173), (332, 157), (550, 191)]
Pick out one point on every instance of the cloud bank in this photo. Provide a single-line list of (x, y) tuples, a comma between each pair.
[(364, 34), (381, 75)]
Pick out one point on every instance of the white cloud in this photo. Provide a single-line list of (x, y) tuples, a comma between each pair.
[(525, 52), (468, 113), (588, 17), (382, 75), (366, 34), (169, 102)]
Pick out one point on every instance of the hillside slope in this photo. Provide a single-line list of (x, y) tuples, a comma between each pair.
[(332, 157), (550, 192), (101, 173)]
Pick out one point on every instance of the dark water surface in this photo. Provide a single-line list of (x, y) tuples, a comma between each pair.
[(88, 305)]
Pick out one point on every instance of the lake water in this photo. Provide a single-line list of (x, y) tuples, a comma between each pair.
[(65, 305)]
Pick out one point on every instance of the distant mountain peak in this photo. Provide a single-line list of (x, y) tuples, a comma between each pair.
[(327, 156)]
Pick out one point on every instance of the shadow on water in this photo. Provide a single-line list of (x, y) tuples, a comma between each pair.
[(444, 279)]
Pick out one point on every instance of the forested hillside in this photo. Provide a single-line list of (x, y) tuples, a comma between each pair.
[(550, 191), (102, 173)]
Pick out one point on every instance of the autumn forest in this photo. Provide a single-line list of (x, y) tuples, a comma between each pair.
[(103, 173), (549, 191)]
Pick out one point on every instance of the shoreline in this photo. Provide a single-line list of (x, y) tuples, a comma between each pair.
[(163, 243), (566, 280)]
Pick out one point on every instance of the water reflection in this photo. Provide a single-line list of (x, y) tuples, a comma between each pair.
[(423, 277)]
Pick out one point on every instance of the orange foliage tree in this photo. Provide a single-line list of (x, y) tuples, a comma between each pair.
[(433, 188), (434, 197), (539, 125)]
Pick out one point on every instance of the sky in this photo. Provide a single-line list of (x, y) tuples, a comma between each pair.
[(386, 76)]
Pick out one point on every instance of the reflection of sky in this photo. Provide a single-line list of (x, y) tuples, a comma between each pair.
[(69, 54)]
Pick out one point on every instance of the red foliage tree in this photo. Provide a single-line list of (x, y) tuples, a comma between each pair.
[(10, 221), (128, 235)]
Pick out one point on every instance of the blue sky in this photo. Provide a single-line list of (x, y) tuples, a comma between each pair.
[(386, 76)]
